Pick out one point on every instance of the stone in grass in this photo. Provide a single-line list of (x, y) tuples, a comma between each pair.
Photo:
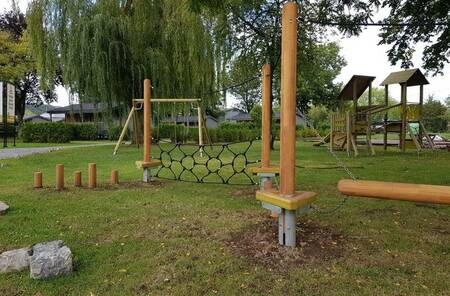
[(3, 208), (14, 260), (50, 259)]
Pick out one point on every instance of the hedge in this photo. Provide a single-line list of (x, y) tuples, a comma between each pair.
[(57, 132)]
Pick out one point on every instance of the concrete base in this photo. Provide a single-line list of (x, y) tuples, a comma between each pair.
[(286, 228), (147, 175), (265, 180)]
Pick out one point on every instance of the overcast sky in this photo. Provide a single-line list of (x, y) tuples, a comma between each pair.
[(363, 56)]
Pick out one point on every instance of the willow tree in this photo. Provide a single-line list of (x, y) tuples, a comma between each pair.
[(104, 49)]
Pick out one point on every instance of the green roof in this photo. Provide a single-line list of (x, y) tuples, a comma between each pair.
[(359, 83), (411, 77)]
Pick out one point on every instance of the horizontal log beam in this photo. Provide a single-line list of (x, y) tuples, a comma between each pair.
[(170, 100), (396, 191)]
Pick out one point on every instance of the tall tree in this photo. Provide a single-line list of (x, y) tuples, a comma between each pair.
[(434, 115), (106, 48), (13, 24), (417, 21)]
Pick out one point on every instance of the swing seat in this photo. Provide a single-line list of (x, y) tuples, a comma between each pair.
[(265, 170), (291, 203), (396, 191), (150, 164)]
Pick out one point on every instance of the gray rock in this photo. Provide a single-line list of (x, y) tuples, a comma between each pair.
[(3, 208), (50, 259), (15, 260)]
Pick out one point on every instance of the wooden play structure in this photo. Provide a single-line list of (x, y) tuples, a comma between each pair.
[(266, 172), (138, 105), (287, 202), (349, 123)]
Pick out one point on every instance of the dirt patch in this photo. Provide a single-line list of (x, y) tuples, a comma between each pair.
[(315, 243), (246, 192), (105, 186)]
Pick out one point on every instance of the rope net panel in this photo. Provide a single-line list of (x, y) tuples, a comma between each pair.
[(215, 164)]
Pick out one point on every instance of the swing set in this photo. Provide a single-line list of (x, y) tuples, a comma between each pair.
[(189, 105)]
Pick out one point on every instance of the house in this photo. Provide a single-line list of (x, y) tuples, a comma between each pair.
[(36, 118), (85, 113), (245, 117), (191, 121)]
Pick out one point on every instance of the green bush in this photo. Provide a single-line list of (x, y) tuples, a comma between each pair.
[(114, 133), (84, 132), (306, 133), (46, 132)]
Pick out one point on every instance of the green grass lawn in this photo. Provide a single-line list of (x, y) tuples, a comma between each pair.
[(176, 238), (20, 144)]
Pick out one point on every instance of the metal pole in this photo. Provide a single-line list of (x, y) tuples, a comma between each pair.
[(200, 129), (288, 121)]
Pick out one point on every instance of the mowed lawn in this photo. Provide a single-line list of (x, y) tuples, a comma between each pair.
[(176, 238)]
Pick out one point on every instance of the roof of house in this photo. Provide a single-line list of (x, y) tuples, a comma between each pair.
[(76, 108), (411, 77), (31, 117), (38, 109), (242, 117), (357, 84)]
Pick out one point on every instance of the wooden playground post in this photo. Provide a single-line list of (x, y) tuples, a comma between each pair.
[(287, 202), (421, 131), (59, 177), (288, 99), (200, 129), (147, 120), (369, 123), (266, 116), (404, 117), (348, 126), (38, 180), (386, 117), (114, 177), (92, 176), (331, 130), (77, 179)]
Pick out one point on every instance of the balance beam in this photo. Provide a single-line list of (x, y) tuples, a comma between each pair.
[(396, 191)]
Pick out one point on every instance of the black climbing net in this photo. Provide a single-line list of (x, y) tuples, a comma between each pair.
[(215, 164)]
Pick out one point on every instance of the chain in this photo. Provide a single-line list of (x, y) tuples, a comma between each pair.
[(338, 161)]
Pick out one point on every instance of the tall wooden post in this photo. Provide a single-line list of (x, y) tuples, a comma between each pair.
[(404, 117), (386, 117), (288, 99), (59, 177), (369, 123), (147, 120), (200, 129), (421, 131), (266, 114)]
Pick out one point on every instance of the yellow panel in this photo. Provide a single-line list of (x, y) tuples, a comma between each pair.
[(300, 199), (151, 164)]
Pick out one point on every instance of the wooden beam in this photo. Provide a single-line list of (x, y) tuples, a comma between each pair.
[(288, 99), (147, 120), (404, 117), (181, 100), (386, 101), (266, 112), (396, 191)]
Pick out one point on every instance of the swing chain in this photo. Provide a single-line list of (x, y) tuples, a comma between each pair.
[(338, 161)]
